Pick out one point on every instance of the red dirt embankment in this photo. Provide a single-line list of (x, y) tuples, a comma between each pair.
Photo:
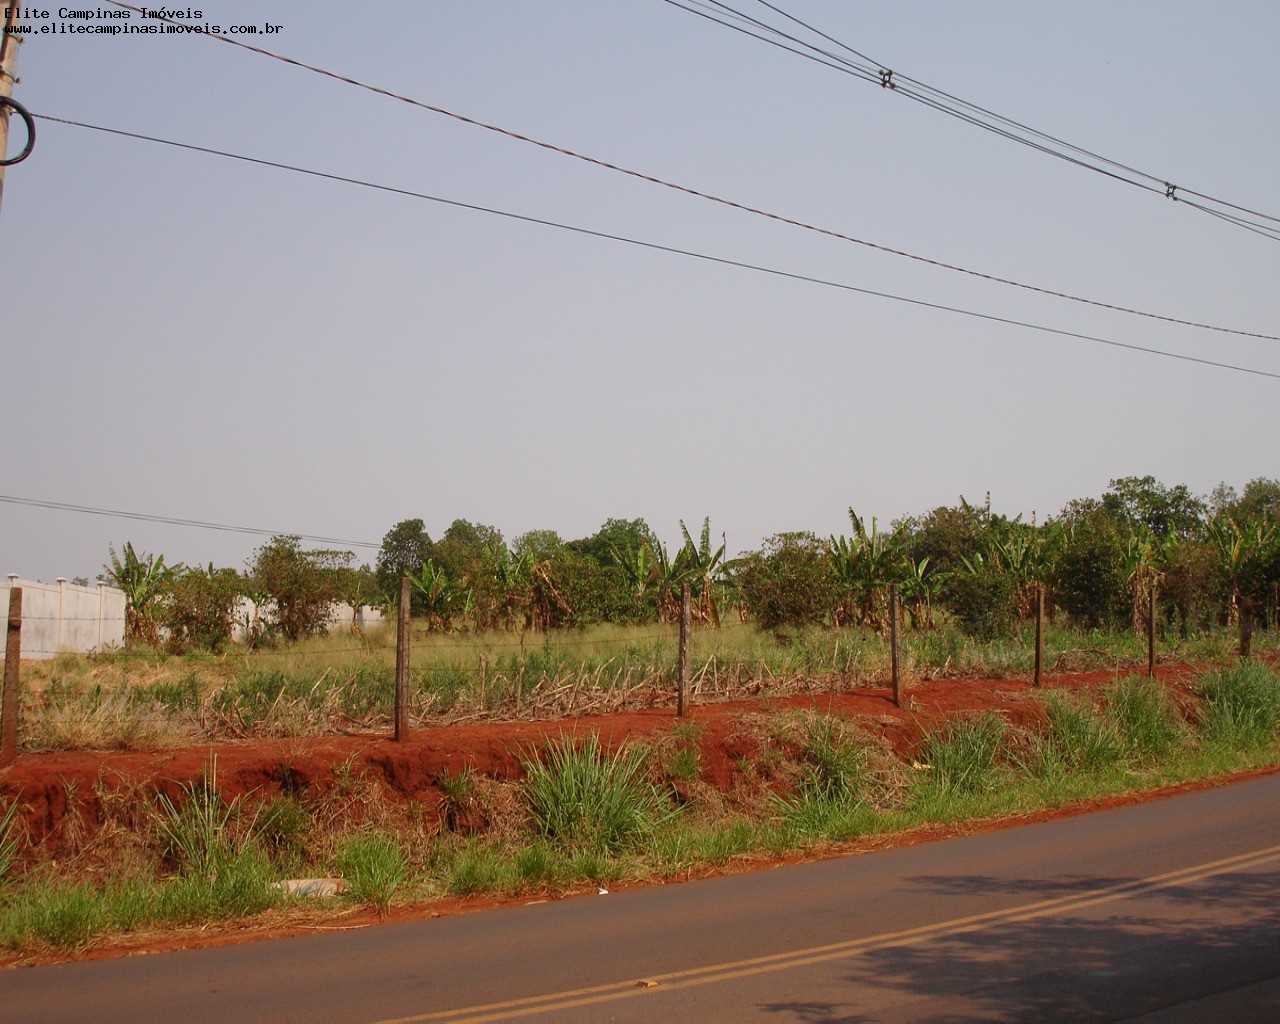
[(56, 790)]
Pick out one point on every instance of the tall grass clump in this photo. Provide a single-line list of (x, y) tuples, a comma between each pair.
[(1240, 707), (962, 760), (1078, 738), (1145, 721), (586, 799), (374, 867), (830, 800), (8, 841), (223, 870)]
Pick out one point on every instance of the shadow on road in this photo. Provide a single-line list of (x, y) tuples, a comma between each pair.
[(1109, 962)]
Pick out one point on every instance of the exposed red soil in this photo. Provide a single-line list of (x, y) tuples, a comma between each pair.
[(58, 790), (53, 786)]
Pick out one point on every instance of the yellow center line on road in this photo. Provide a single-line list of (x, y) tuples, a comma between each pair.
[(711, 973)]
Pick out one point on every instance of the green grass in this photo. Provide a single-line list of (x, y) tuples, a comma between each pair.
[(311, 687), (1241, 707), (592, 816), (963, 758), (586, 799), (1145, 720), (374, 868)]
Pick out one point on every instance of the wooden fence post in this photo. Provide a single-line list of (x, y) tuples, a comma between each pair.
[(1151, 631), (12, 681), (402, 661), (894, 656), (682, 677), (1039, 674), (1246, 626)]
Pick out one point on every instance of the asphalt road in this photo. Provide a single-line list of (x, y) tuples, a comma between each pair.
[(1164, 911)]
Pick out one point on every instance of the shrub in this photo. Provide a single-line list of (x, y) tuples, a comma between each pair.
[(789, 584), (984, 601)]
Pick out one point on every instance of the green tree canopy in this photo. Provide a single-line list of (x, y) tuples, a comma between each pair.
[(405, 548)]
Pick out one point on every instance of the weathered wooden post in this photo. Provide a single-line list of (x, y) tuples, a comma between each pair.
[(1039, 673), (682, 677), (12, 681), (1151, 631), (894, 654), (402, 661)]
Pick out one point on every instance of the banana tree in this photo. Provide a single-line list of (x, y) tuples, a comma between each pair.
[(699, 564), (637, 565), (1243, 553), (864, 565), (143, 580), (514, 577), (921, 586), (442, 597)]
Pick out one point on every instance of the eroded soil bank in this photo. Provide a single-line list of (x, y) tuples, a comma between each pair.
[(62, 796)]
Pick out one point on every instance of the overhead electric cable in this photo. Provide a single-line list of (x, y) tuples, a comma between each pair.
[(172, 521), (710, 197), (870, 70), (724, 261)]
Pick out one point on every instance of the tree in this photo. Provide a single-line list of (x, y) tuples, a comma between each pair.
[(1142, 501), (442, 596), (301, 584), (699, 563), (462, 550), (143, 579), (201, 607), (616, 541), (789, 584), (1089, 580), (537, 544), (404, 548)]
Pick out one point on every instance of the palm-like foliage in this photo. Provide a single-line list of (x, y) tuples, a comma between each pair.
[(143, 579), (513, 575), (921, 586), (864, 565), (637, 565), (1243, 553), (442, 596), (699, 564)]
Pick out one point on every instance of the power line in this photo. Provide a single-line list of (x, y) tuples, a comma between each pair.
[(658, 247), (173, 521), (710, 197), (867, 69)]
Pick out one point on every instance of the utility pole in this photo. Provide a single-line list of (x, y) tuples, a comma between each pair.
[(8, 75)]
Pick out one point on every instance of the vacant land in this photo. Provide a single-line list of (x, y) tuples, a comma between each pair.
[(114, 849)]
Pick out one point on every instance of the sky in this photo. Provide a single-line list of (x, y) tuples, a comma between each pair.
[(193, 337)]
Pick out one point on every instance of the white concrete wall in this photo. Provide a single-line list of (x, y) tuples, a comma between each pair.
[(61, 616)]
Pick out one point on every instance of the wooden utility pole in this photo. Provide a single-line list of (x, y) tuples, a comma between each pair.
[(402, 661), (8, 75), (12, 681), (682, 677), (1039, 676), (895, 659)]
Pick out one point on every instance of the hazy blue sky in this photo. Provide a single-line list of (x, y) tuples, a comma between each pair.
[(192, 337)]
